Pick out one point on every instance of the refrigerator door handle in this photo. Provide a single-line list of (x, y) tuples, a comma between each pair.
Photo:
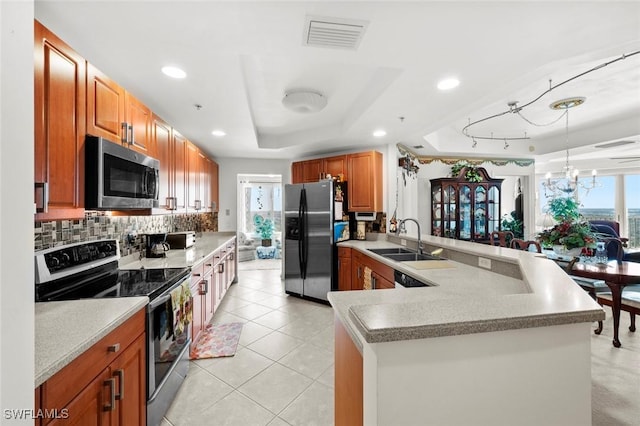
[(301, 235)]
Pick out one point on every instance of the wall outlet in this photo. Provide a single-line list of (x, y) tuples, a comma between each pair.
[(403, 242), (227, 212), (483, 262)]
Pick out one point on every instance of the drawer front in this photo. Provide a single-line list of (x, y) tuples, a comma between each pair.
[(68, 382)]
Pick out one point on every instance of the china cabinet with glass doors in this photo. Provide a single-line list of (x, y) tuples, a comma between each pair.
[(467, 206)]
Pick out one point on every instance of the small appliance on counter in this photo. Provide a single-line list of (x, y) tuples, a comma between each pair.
[(181, 240), (156, 245)]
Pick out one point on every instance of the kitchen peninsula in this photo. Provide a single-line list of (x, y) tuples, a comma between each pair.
[(507, 344)]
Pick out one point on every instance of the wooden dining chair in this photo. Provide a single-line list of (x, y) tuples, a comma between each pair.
[(501, 238), (525, 245)]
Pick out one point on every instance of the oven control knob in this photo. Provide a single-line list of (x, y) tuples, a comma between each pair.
[(53, 261), (65, 258)]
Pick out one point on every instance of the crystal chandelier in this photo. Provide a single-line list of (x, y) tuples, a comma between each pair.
[(568, 183)]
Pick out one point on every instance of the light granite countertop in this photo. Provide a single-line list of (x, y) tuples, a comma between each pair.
[(64, 330), (464, 299), (205, 244)]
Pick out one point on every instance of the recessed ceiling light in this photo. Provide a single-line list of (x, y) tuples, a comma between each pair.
[(218, 133), (448, 83), (174, 72), (379, 133)]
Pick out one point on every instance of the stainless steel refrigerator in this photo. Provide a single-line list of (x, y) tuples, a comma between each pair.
[(310, 263)]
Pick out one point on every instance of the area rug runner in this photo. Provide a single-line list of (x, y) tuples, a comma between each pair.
[(218, 340)]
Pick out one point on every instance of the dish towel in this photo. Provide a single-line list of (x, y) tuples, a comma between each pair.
[(367, 278), (181, 307)]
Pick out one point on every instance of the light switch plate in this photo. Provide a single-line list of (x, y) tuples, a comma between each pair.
[(403, 242), (483, 262)]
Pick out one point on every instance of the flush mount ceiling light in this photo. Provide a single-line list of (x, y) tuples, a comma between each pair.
[(173, 72), (218, 133), (304, 101), (379, 133), (448, 83)]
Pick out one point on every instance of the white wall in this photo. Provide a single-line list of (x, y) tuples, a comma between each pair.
[(228, 175), (16, 208)]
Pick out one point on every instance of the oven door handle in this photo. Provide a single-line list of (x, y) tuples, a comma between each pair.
[(164, 297), (159, 301)]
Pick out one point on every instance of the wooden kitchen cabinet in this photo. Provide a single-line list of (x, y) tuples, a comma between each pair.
[(365, 181), (381, 274), (106, 385), (198, 303), (105, 106), (357, 270), (59, 127), (317, 169), (180, 174), (193, 178), (215, 186), (344, 268), (306, 171), (116, 115), (161, 133), (138, 118), (210, 287), (335, 166), (349, 389), (205, 182)]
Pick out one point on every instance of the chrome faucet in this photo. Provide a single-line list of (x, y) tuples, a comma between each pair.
[(402, 229)]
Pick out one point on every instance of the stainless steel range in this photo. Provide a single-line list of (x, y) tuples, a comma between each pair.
[(90, 270)]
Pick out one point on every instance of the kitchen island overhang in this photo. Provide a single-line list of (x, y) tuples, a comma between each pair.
[(485, 349)]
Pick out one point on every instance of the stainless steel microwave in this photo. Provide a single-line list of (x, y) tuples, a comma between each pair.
[(117, 178)]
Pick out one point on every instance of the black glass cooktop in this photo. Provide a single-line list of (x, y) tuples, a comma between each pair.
[(108, 281)]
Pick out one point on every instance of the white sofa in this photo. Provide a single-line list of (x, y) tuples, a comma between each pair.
[(246, 247)]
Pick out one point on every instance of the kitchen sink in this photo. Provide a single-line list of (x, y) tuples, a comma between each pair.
[(391, 250), (405, 257)]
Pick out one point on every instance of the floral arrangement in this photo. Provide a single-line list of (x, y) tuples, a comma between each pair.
[(570, 234), (471, 174)]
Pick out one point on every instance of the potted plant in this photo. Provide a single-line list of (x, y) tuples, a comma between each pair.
[(264, 227), (511, 223)]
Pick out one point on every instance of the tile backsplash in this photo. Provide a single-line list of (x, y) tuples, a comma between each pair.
[(99, 225)]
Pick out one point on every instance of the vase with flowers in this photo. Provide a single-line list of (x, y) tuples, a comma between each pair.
[(568, 238)]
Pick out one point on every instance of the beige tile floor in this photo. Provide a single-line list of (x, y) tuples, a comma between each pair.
[(282, 373)]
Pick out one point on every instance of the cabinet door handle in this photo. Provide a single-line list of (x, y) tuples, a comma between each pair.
[(44, 187), (373, 282), (204, 286), (131, 140), (124, 129), (114, 348), (359, 272), (112, 394), (119, 373), (195, 275)]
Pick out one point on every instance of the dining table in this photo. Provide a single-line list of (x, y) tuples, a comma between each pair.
[(617, 275)]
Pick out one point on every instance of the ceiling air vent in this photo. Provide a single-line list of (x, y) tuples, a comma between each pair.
[(333, 33)]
